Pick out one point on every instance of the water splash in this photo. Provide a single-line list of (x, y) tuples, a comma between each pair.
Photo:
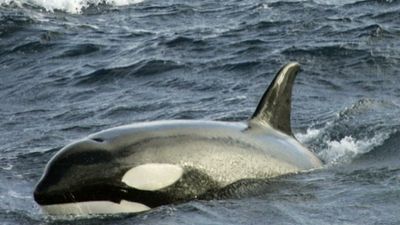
[(346, 149), (355, 131), (311, 133), (70, 6)]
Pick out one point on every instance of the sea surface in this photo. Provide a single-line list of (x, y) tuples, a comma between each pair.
[(69, 68)]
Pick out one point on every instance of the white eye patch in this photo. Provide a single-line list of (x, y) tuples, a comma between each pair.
[(152, 176)]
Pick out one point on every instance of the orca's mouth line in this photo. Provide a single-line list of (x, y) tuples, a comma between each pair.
[(103, 193)]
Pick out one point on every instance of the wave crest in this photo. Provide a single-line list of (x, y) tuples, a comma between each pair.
[(70, 6), (354, 132)]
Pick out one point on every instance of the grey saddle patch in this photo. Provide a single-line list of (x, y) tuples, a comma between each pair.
[(275, 105)]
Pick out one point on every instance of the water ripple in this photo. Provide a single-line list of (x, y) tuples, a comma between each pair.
[(142, 68)]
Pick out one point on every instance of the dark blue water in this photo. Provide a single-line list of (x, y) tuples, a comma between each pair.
[(71, 68)]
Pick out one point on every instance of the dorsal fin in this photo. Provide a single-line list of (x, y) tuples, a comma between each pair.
[(275, 105)]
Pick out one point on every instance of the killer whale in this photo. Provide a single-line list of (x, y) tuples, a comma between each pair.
[(137, 167)]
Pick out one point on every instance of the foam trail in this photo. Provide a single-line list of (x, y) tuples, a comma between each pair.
[(310, 135), (348, 148), (343, 150), (70, 6)]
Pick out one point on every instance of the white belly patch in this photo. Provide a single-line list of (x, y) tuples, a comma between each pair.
[(94, 207)]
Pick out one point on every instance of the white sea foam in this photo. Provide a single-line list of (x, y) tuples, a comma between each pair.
[(348, 148), (323, 2), (70, 6), (340, 151), (310, 134)]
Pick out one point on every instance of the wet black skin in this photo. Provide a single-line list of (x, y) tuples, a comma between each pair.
[(84, 172), (92, 169)]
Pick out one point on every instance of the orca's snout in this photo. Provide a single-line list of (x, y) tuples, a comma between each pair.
[(39, 194), (70, 168), (46, 193)]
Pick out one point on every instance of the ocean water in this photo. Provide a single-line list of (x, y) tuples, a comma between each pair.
[(69, 68)]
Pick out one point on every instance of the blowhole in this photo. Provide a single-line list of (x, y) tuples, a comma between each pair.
[(98, 139)]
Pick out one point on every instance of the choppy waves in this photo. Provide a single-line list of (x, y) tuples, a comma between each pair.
[(355, 131), (70, 6), (71, 68)]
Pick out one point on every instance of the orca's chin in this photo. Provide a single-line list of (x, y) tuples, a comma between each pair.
[(94, 207), (92, 200)]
